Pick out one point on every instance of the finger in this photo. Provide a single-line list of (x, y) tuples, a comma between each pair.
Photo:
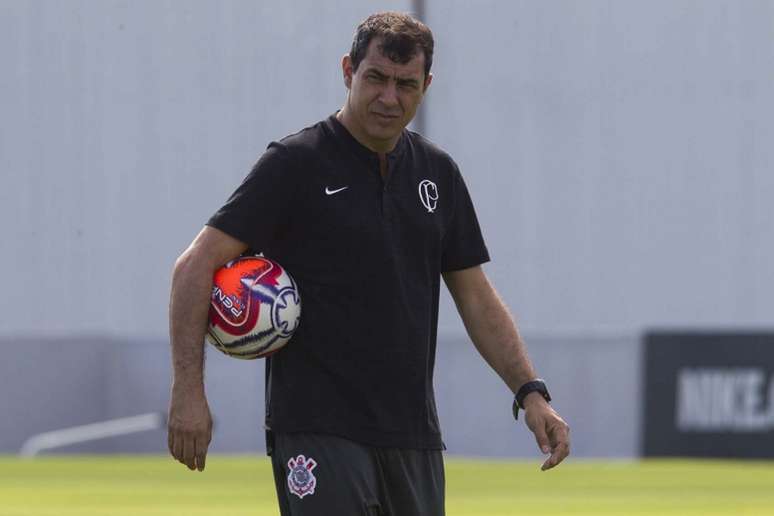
[(542, 439), (557, 455), (177, 446), (560, 435), (188, 452), (201, 454), (560, 445)]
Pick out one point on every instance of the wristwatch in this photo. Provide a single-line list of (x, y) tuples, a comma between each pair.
[(537, 385)]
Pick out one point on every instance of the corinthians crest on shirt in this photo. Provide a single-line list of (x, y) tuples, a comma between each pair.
[(428, 194), (301, 480)]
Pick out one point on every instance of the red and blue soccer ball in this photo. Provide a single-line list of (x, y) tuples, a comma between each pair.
[(255, 308)]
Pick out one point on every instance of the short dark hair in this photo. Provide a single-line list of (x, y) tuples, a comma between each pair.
[(401, 35)]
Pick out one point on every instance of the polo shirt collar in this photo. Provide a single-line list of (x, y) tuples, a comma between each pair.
[(361, 150)]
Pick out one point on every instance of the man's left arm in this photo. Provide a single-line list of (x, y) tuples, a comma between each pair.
[(494, 333)]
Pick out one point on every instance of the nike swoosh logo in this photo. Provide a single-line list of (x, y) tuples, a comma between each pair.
[(328, 191)]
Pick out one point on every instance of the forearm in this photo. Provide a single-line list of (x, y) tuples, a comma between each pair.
[(491, 327), (190, 422), (497, 338), (494, 332), (188, 310)]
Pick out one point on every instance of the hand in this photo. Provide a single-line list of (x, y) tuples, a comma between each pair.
[(551, 432), (189, 427)]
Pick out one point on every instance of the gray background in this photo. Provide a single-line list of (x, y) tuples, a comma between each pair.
[(619, 154), (61, 383)]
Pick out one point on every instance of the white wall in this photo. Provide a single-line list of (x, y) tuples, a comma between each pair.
[(125, 125), (621, 154)]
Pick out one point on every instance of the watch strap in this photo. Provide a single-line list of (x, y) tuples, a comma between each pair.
[(537, 385)]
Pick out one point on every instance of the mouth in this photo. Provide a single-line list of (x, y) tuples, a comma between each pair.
[(382, 116)]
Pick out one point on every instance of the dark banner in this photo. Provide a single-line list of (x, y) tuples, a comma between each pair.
[(709, 395)]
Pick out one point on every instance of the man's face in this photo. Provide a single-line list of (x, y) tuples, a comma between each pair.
[(384, 95)]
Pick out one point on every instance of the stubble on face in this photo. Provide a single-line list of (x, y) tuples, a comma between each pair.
[(383, 97)]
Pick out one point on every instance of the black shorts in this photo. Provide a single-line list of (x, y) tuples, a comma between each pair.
[(324, 475)]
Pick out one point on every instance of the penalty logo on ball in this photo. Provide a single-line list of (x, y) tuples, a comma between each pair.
[(255, 308)]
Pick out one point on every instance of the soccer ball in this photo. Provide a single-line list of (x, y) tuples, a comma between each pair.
[(255, 308)]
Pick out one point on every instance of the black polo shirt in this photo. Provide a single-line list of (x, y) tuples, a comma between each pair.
[(367, 254)]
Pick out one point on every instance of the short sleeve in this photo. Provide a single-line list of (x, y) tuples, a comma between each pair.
[(463, 243), (256, 213)]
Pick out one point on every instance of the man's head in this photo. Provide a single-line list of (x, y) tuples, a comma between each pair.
[(387, 73), (400, 36)]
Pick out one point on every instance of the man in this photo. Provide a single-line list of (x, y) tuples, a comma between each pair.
[(367, 217)]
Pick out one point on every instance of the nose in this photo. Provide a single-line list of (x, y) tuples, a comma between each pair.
[(389, 94)]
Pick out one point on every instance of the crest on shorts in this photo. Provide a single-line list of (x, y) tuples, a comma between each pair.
[(301, 480)]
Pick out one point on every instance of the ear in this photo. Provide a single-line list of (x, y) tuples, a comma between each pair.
[(428, 80), (347, 71)]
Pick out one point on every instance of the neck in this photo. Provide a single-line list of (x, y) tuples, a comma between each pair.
[(350, 123)]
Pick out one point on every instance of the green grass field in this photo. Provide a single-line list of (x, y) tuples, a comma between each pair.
[(155, 486)]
